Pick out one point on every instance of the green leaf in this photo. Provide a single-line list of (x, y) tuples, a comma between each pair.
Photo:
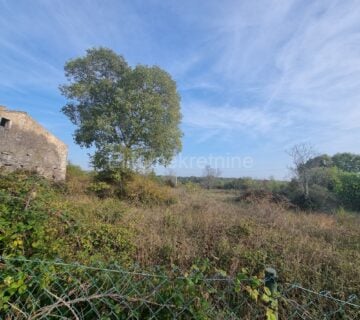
[(267, 291), (265, 298), (270, 314)]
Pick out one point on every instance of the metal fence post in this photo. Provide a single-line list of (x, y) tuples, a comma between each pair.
[(271, 283)]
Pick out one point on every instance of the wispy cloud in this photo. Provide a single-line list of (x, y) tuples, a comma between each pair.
[(302, 59), (274, 71), (230, 118)]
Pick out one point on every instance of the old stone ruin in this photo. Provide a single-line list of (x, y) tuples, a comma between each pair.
[(25, 144)]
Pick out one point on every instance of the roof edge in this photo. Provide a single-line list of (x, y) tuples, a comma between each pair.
[(3, 108)]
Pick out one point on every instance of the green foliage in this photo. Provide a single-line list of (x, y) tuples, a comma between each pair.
[(35, 289), (146, 189), (130, 115), (101, 241), (331, 181), (101, 189), (321, 198), (37, 220), (247, 184), (322, 161), (347, 162), (347, 189), (203, 292), (191, 186), (323, 176), (25, 218), (73, 171)]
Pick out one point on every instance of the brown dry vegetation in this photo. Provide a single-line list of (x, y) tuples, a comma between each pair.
[(316, 250), (320, 251), (91, 223)]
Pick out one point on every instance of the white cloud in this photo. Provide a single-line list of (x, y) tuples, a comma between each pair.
[(320, 67), (279, 71), (302, 58)]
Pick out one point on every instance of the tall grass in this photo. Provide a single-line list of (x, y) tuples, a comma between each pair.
[(318, 250)]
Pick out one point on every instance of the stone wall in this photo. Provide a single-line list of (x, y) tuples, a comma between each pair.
[(25, 144)]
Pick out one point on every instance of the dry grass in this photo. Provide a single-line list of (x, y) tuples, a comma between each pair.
[(317, 250)]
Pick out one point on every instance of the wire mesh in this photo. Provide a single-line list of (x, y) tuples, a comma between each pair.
[(303, 303), (35, 289)]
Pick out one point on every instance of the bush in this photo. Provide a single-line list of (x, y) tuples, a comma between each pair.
[(321, 199), (101, 189), (191, 186), (26, 220), (142, 189), (77, 180), (321, 196), (37, 220), (347, 189), (100, 241)]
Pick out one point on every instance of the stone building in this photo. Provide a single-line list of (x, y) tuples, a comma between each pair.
[(25, 144)]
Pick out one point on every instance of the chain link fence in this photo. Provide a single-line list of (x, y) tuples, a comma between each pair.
[(302, 303), (35, 289)]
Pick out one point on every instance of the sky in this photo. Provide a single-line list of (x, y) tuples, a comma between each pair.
[(255, 77)]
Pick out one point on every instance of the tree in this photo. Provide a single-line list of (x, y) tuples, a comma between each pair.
[(321, 161), (130, 115), (210, 175), (171, 178), (347, 162), (301, 155), (348, 189)]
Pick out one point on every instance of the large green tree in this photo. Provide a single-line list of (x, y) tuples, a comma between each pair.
[(130, 115)]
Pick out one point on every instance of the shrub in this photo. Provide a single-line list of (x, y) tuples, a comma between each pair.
[(191, 186), (101, 189), (99, 241), (142, 189), (322, 199), (321, 196), (36, 219), (347, 189), (77, 180), (25, 220)]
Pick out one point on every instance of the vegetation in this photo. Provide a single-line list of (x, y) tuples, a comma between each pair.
[(130, 115), (320, 182), (151, 224), (43, 220), (325, 183), (210, 175)]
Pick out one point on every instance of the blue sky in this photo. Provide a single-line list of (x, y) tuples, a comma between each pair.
[(255, 77)]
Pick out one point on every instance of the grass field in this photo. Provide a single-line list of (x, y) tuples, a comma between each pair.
[(198, 227), (318, 250)]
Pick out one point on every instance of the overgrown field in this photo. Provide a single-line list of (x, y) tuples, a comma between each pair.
[(71, 222), (316, 250)]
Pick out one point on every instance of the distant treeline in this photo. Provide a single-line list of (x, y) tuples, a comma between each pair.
[(243, 183), (321, 182)]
